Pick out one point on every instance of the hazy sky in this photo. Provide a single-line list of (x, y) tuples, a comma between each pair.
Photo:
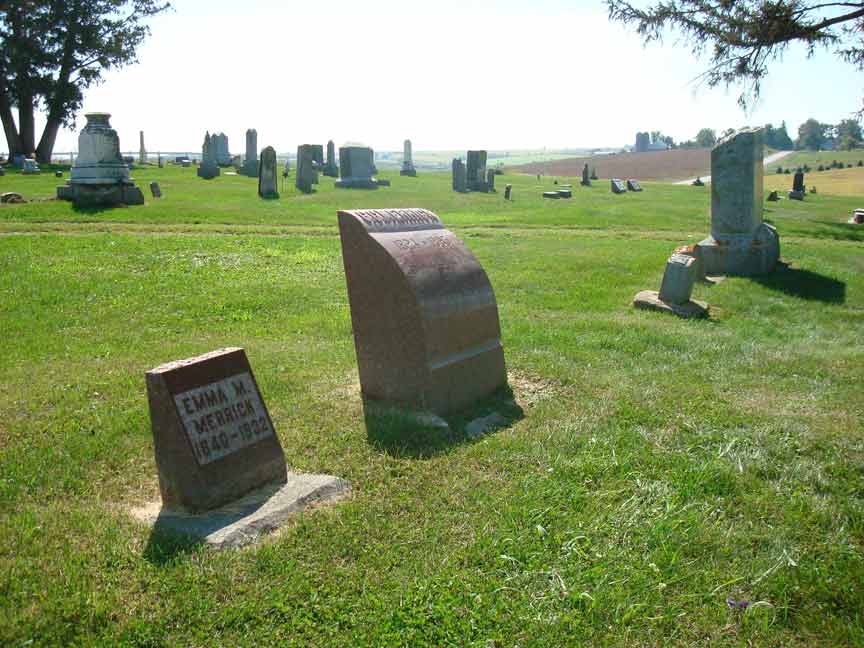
[(449, 74)]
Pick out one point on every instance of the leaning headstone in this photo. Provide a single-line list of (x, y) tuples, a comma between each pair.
[(586, 181), (99, 176), (740, 243), (508, 190), (155, 190), (307, 168), (694, 251), (250, 164), (439, 348), (460, 176), (675, 290), (476, 171), (618, 186), (267, 187), (490, 180), (633, 185), (331, 169), (209, 167), (29, 167), (407, 160)]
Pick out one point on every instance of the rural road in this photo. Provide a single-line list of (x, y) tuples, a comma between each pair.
[(771, 159)]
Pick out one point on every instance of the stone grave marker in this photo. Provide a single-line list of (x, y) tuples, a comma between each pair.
[(307, 168), (356, 168), (29, 167), (267, 181), (2, 171), (11, 197), (633, 185), (100, 176), (155, 190), (508, 191), (58, 174), (250, 164), (554, 195), (476, 171), (209, 167), (460, 176), (698, 183), (676, 289), (773, 197), (857, 217), (586, 181), (740, 243), (618, 186), (439, 348), (142, 152), (331, 169), (565, 193), (407, 160)]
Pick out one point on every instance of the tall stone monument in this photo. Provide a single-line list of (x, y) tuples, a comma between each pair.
[(331, 169), (250, 164), (267, 182), (307, 168), (740, 243), (460, 176), (407, 161), (439, 347), (99, 175), (586, 181), (476, 171), (220, 152), (142, 152), (356, 168), (208, 169)]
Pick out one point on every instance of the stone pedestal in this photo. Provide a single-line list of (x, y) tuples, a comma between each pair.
[(100, 176), (438, 348), (740, 243)]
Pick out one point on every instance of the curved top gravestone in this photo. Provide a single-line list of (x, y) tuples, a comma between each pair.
[(424, 314)]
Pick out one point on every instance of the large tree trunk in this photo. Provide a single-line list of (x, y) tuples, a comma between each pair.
[(49, 137), (13, 141), (26, 122)]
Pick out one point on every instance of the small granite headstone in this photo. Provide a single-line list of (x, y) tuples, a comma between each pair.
[(508, 190), (30, 167), (633, 185), (490, 180), (460, 176), (307, 168), (439, 347), (773, 197), (212, 435), (267, 187), (618, 186), (676, 290), (155, 190)]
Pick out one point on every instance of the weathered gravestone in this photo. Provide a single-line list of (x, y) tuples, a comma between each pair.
[(219, 144), (682, 271), (307, 168), (618, 186), (267, 182), (356, 168), (490, 180), (586, 181), (508, 191), (142, 152), (476, 171), (773, 197), (331, 169), (222, 472), (29, 167), (740, 243), (438, 349), (407, 160), (460, 176), (633, 185), (698, 182), (100, 176), (554, 195), (209, 168), (155, 190), (798, 189), (250, 164)]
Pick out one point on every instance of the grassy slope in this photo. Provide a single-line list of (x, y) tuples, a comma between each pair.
[(815, 158), (841, 182), (662, 466)]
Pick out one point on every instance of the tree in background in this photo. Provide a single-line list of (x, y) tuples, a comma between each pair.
[(778, 138), (706, 138), (813, 135), (848, 134), (744, 36), (51, 51)]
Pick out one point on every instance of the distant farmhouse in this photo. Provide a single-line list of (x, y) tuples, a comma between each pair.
[(646, 142)]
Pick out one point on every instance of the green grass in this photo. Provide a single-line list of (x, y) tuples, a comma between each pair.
[(815, 158), (661, 467)]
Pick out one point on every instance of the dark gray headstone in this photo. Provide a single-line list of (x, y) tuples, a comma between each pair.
[(476, 171), (508, 190), (633, 185), (586, 181), (460, 176), (155, 190), (618, 186), (267, 179)]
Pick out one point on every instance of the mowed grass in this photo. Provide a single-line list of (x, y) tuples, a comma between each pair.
[(662, 466), (815, 158), (840, 182)]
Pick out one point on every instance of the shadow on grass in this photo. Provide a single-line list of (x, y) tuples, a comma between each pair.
[(804, 284), (166, 545), (421, 435)]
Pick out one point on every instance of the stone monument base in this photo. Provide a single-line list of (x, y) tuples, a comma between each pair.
[(243, 521), (361, 183), (796, 195), (742, 255), (249, 169), (650, 300), (99, 195), (411, 173)]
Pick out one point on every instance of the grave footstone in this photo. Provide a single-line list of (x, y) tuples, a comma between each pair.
[(675, 291), (250, 164), (554, 195), (633, 185), (460, 176), (740, 243), (100, 177), (155, 190), (407, 160), (618, 186), (439, 348), (267, 183), (307, 168)]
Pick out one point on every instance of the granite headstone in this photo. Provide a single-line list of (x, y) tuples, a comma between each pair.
[(267, 181)]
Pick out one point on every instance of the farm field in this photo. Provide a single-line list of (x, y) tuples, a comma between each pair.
[(669, 482)]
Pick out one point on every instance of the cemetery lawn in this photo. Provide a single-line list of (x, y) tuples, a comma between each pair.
[(670, 483)]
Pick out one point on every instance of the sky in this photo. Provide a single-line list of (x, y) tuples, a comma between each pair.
[(448, 74)]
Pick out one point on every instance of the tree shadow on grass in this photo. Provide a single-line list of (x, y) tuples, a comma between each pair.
[(421, 435), (165, 545), (804, 284)]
